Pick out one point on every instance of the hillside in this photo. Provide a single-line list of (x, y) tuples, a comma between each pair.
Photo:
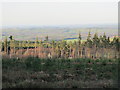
[(55, 33)]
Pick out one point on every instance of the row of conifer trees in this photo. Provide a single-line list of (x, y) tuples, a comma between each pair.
[(96, 41)]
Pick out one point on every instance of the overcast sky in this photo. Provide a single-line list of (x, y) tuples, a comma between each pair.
[(59, 13)]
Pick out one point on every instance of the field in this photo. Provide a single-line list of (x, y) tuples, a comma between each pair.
[(59, 73), (57, 32)]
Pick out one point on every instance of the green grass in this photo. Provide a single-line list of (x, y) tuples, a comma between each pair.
[(59, 73), (73, 40)]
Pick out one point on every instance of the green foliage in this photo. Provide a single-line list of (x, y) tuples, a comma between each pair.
[(101, 42), (116, 43), (33, 63), (11, 37), (28, 72), (89, 41), (96, 39), (46, 38), (5, 45), (79, 39)]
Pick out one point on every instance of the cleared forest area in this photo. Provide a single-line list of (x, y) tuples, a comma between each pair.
[(92, 63), (60, 73)]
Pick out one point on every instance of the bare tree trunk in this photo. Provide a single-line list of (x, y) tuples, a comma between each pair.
[(81, 53), (10, 48), (70, 52), (35, 49), (21, 50), (78, 52)]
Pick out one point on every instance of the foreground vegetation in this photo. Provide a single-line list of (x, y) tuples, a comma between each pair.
[(59, 73)]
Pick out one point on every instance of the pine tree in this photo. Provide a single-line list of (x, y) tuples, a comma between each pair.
[(89, 41), (71, 46), (89, 36), (108, 41), (62, 47), (12, 44), (36, 44), (5, 45), (79, 38), (101, 41), (20, 46), (116, 43), (46, 38), (104, 36), (96, 43), (53, 44), (76, 49), (96, 40), (79, 43), (104, 40), (11, 37)]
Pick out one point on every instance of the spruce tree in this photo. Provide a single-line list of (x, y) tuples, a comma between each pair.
[(79, 44), (96, 40), (105, 40), (89, 41), (46, 38), (5, 45)]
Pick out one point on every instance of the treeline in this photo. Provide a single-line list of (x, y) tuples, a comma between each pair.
[(63, 47)]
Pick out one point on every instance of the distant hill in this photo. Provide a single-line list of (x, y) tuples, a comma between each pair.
[(57, 32)]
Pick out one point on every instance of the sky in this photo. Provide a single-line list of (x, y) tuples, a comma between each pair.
[(59, 13)]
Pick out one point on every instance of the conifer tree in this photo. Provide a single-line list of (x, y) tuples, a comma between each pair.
[(12, 44), (79, 43), (5, 45), (96, 43), (108, 41), (36, 44), (89, 36), (71, 46), (116, 43), (96, 40), (46, 38), (89, 41), (104, 40), (79, 38), (101, 41), (11, 37), (53, 44)]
